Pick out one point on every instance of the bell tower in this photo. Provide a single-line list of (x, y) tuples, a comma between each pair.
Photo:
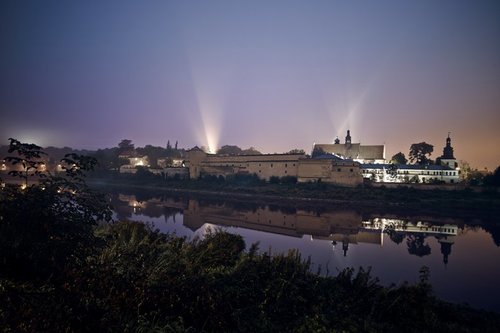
[(348, 138), (448, 159), (448, 149)]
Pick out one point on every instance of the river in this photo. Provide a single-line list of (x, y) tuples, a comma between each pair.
[(463, 256)]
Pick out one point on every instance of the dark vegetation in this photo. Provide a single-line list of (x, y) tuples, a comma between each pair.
[(64, 269), (420, 153)]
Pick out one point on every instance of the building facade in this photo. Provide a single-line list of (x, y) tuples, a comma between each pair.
[(353, 151), (445, 170), (409, 173), (305, 169), (133, 163)]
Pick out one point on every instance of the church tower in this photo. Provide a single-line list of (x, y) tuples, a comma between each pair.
[(348, 139), (446, 242), (448, 159), (448, 149)]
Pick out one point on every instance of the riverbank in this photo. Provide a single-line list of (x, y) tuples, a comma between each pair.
[(407, 201)]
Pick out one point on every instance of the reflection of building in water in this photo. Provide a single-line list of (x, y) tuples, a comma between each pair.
[(416, 234), (409, 227), (126, 205), (446, 243), (337, 226), (342, 227)]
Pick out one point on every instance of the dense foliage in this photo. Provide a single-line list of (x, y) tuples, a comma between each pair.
[(135, 280), (420, 153), (399, 158), (62, 271)]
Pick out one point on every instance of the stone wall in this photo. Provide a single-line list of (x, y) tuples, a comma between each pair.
[(345, 173)]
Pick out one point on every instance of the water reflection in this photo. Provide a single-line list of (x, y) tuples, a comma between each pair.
[(340, 227), (460, 255)]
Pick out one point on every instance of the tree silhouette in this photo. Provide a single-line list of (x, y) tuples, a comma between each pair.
[(399, 158), (125, 145), (29, 157), (417, 246), (229, 150), (420, 153)]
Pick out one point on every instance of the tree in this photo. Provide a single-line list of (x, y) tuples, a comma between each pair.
[(317, 151), (108, 158), (250, 151), (392, 170), (493, 179), (125, 145), (417, 245), (296, 151), (229, 150), (29, 157), (47, 225), (154, 153), (399, 158), (420, 153), (465, 170)]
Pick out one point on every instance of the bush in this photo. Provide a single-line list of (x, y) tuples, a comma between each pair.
[(274, 180)]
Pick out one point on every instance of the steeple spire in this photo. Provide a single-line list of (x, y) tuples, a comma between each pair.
[(348, 137), (448, 149)]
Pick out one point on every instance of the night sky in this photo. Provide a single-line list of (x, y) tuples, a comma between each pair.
[(275, 75)]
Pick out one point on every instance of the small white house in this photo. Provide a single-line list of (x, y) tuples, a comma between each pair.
[(134, 162)]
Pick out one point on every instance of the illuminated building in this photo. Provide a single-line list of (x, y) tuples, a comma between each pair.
[(445, 170), (329, 169), (353, 151)]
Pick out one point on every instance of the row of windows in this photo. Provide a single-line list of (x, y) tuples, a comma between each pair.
[(260, 164), (443, 230), (286, 165), (406, 172)]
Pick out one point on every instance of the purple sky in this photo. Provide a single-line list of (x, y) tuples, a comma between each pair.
[(275, 75)]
